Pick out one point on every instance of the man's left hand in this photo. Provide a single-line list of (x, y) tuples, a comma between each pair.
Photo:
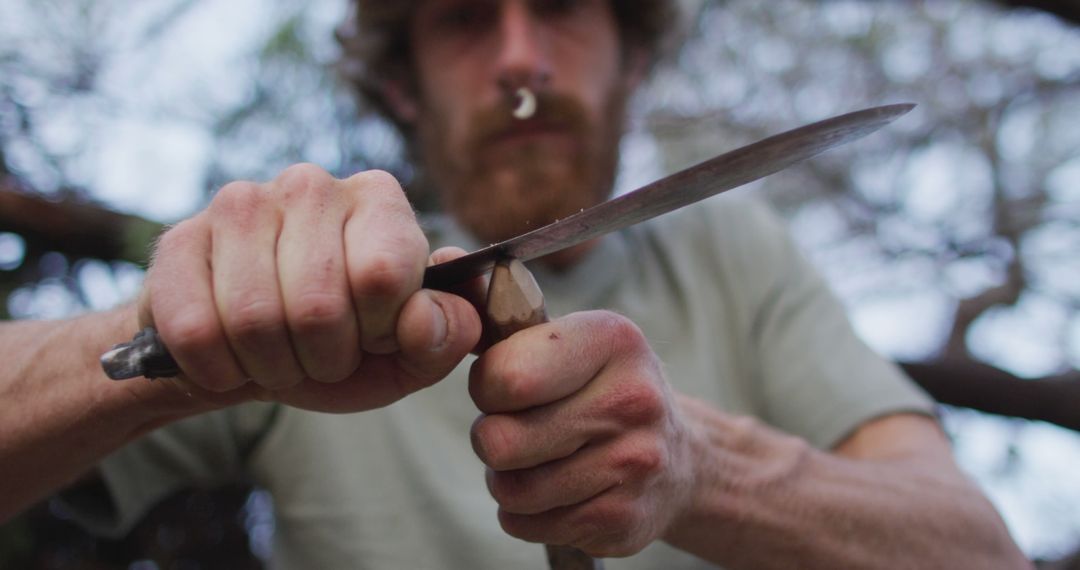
[(582, 436)]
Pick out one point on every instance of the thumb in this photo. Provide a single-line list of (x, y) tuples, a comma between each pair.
[(436, 330)]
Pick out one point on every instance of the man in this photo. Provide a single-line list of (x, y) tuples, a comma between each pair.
[(627, 434)]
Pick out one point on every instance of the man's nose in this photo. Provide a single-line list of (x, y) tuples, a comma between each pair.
[(523, 57)]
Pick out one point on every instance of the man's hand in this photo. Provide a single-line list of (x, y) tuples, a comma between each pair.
[(305, 290), (581, 435)]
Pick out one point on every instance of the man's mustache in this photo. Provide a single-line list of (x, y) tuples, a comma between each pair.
[(552, 110)]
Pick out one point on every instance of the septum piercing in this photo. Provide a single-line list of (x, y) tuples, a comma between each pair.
[(526, 103)]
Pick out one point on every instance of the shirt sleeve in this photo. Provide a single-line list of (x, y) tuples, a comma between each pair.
[(817, 378), (201, 451)]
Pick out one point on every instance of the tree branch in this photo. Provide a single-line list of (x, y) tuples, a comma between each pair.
[(1068, 10), (76, 228), (970, 384)]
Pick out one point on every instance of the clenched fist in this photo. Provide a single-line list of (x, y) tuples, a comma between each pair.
[(584, 441), (306, 290)]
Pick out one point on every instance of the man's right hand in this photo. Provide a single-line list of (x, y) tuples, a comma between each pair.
[(306, 290)]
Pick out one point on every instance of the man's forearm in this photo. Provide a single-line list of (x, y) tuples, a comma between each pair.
[(768, 500), (60, 414)]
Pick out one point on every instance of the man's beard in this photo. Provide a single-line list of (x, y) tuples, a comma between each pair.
[(497, 192)]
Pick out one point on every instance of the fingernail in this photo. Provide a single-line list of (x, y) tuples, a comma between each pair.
[(438, 324)]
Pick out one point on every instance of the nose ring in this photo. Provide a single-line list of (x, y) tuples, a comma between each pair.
[(525, 103)]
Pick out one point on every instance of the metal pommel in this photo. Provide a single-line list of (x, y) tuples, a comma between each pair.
[(145, 355)]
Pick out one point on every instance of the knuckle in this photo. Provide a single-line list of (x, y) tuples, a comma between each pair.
[(237, 198), (515, 526), (742, 424), (625, 335), (492, 443), (252, 316), (197, 333), (331, 370), (517, 379), (601, 518), (741, 431), (380, 190), (191, 331), (608, 530), (214, 384), (508, 490), (302, 177), (479, 382), (279, 381), (642, 460), (639, 402), (500, 378), (316, 311), (401, 232), (380, 180), (625, 516), (175, 237), (386, 273)]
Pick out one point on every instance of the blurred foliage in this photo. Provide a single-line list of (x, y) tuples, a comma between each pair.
[(954, 231), (197, 530), (978, 189)]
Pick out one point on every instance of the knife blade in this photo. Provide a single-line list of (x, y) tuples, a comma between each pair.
[(713, 176), (146, 355)]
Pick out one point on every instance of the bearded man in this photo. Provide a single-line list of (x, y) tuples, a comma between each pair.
[(702, 401)]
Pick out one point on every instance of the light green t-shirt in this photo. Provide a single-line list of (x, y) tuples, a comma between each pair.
[(733, 311)]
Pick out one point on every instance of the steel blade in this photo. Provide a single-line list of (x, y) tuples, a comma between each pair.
[(719, 174)]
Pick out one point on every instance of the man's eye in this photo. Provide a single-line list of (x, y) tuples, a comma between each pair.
[(557, 7), (466, 16)]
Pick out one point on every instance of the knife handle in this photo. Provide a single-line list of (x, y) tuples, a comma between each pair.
[(515, 302), (144, 355)]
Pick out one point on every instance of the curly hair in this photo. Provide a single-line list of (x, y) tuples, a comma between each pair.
[(375, 42)]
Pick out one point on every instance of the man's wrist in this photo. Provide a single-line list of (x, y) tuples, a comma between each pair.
[(741, 466), (139, 404)]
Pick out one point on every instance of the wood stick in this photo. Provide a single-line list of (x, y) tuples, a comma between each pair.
[(515, 302)]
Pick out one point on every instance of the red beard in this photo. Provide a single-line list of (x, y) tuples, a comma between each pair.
[(514, 176)]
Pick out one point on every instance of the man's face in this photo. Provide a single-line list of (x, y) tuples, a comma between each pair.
[(501, 176)]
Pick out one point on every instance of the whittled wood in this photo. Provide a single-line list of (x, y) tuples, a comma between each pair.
[(515, 302)]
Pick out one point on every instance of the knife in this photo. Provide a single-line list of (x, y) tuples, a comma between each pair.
[(146, 355)]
